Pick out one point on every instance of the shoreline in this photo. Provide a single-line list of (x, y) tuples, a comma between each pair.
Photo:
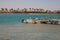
[(26, 13)]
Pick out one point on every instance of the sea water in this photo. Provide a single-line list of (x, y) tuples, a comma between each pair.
[(11, 27), (16, 18)]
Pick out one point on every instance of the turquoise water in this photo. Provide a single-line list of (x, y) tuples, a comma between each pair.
[(11, 27), (16, 18)]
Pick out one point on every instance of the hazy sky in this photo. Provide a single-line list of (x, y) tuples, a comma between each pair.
[(45, 4)]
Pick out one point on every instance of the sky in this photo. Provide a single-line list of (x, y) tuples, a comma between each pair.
[(44, 4)]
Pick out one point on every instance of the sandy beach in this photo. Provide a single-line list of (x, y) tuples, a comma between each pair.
[(30, 32)]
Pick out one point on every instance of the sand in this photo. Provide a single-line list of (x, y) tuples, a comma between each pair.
[(30, 32)]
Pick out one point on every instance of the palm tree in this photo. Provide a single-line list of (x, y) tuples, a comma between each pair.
[(2, 9), (6, 10), (11, 10), (41, 10), (37, 10), (33, 9), (29, 9), (17, 9), (25, 9)]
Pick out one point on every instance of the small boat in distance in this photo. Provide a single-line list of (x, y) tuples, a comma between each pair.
[(53, 21), (41, 21), (33, 21), (44, 21)]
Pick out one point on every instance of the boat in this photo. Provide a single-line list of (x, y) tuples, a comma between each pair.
[(53, 21), (42, 21), (33, 21)]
